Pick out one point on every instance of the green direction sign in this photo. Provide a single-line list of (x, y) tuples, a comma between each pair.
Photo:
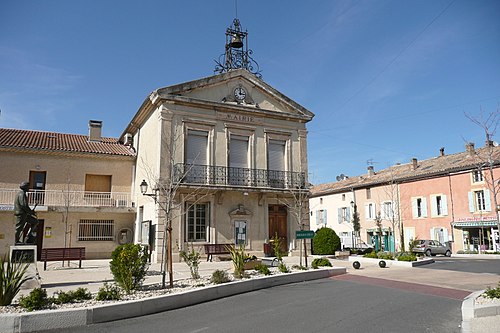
[(304, 234)]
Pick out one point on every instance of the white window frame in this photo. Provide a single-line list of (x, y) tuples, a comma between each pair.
[(321, 217), (477, 176), (439, 205), (370, 211), (479, 201), (387, 210)]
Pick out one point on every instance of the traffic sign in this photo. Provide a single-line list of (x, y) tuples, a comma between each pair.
[(304, 234)]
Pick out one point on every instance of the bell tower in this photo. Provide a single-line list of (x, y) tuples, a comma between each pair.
[(237, 54)]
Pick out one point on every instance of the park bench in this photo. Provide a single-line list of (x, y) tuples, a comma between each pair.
[(62, 254), (211, 249)]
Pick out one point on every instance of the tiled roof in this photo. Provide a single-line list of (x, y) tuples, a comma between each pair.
[(405, 172), (60, 142)]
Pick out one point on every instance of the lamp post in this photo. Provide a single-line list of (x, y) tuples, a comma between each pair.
[(144, 190)]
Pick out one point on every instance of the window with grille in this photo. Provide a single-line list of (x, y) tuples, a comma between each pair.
[(96, 230)]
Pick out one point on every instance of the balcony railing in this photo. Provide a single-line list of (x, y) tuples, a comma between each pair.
[(219, 175), (69, 198)]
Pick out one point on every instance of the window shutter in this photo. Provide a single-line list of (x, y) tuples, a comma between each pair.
[(367, 211), (348, 215), (318, 217), (471, 202), (433, 206), (325, 221), (196, 152), (374, 211), (487, 200), (444, 207), (276, 155), (339, 215), (414, 208), (424, 207), (445, 235), (238, 151)]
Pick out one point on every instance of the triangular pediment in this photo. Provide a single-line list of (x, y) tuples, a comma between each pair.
[(236, 89)]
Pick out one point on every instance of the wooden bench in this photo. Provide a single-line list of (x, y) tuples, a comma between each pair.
[(62, 254), (211, 249)]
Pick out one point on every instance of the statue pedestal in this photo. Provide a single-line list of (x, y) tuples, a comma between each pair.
[(27, 254)]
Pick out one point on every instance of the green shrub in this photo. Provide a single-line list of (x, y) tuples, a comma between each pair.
[(219, 276), (492, 292), (299, 267), (37, 299), (372, 255), (282, 268), (263, 269), (238, 257), (406, 256), (80, 294), (12, 276), (321, 262), (326, 241), (108, 292), (192, 259), (276, 242), (129, 265), (385, 255)]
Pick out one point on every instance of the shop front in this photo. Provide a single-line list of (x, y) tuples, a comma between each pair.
[(479, 235)]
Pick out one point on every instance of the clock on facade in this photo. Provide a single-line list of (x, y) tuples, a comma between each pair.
[(240, 93)]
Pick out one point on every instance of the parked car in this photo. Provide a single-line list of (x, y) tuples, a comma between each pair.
[(431, 248)]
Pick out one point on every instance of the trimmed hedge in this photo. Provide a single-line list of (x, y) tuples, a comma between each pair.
[(325, 241)]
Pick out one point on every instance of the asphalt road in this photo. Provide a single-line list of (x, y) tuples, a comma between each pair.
[(491, 266), (344, 304)]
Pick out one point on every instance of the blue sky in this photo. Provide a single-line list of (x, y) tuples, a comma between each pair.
[(388, 80)]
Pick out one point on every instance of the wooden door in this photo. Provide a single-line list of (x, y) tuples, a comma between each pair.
[(278, 225)]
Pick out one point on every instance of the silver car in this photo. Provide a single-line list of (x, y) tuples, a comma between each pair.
[(431, 248)]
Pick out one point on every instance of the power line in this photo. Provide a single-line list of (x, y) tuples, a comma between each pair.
[(396, 57)]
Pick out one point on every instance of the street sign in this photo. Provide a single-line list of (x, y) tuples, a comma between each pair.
[(304, 234)]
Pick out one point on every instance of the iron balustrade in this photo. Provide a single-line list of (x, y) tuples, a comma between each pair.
[(220, 175)]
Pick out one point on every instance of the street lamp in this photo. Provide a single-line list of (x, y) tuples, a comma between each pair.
[(144, 189)]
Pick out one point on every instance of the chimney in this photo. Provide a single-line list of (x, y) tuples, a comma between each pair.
[(371, 172), (469, 148), (414, 163), (441, 151), (128, 141), (95, 127)]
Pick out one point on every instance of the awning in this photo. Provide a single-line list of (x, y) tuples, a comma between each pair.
[(474, 224)]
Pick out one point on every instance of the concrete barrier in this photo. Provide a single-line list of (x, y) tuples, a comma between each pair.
[(56, 319)]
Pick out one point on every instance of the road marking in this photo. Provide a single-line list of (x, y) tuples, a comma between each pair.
[(411, 287)]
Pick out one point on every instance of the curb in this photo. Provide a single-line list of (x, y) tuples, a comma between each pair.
[(67, 318), (476, 318), (390, 263)]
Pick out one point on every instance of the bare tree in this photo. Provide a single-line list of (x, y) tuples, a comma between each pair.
[(298, 205), (168, 188), (393, 213), (491, 158)]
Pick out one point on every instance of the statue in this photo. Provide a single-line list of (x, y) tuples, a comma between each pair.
[(26, 221)]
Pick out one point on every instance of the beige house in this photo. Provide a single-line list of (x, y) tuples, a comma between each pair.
[(224, 158), (80, 185)]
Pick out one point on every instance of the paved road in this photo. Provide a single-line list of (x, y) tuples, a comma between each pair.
[(491, 266), (348, 303)]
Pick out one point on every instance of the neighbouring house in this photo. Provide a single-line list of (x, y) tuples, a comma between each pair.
[(80, 185), (449, 198)]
